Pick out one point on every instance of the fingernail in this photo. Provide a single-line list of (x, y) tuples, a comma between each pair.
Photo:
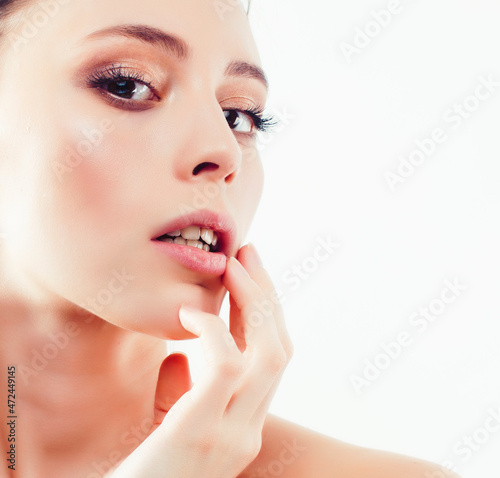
[(238, 266), (188, 317), (187, 312), (189, 308), (254, 255)]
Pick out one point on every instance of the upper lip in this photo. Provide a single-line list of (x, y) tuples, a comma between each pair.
[(221, 223)]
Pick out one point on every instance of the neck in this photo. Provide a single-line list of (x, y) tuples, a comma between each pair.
[(84, 387)]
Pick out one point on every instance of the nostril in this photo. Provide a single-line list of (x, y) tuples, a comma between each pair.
[(206, 165)]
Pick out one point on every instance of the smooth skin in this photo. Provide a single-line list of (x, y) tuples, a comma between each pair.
[(95, 393)]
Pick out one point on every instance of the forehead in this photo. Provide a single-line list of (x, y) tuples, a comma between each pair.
[(208, 27)]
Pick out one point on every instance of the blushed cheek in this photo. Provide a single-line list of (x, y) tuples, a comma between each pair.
[(83, 183), (75, 208)]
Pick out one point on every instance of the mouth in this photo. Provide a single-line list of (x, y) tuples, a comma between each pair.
[(200, 241), (193, 236)]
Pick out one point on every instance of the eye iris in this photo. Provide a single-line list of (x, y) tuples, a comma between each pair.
[(232, 118), (121, 87)]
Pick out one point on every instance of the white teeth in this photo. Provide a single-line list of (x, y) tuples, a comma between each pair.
[(191, 233), (207, 235), (184, 242), (197, 244)]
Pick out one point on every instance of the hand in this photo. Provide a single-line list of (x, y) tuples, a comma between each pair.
[(214, 428)]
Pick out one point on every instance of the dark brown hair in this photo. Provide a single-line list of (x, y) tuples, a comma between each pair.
[(9, 9), (5, 5)]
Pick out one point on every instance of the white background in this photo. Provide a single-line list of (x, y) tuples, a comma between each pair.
[(346, 119)]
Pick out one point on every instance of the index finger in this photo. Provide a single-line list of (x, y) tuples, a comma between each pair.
[(249, 312), (251, 261)]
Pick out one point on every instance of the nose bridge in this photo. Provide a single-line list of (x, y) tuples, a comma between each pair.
[(210, 147)]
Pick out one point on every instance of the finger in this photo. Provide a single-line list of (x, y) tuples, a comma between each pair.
[(258, 387), (249, 312), (264, 354), (210, 395), (251, 261), (249, 258), (262, 410), (174, 380), (236, 325)]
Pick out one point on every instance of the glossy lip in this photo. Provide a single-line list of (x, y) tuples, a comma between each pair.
[(194, 258)]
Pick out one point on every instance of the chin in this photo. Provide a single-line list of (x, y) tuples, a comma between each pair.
[(159, 317)]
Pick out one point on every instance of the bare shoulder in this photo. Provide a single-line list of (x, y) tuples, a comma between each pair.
[(292, 451)]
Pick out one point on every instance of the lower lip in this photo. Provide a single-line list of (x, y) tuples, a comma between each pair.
[(193, 258)]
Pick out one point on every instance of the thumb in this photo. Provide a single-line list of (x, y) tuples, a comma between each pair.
[(174, 380)]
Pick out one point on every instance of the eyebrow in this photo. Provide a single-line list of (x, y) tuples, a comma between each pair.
[(246, 70), (177, 47), (153, 36)]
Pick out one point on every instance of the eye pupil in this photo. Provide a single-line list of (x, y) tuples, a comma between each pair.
[(122, 87), (232, 118)]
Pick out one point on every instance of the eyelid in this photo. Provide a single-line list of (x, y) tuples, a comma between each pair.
[(110, 72), (238, 104), (99, 77), (156, 77)]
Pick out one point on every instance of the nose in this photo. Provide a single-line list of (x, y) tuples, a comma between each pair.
[(211, 152)]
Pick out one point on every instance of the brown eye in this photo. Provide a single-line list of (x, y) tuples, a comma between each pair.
[(127, 89), (123, 86), (239, 121)]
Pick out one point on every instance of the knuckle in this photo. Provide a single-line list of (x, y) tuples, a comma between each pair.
[(254, 448), (289, 350), (231, 367), (204, 443), (251, 448), (276, 361)]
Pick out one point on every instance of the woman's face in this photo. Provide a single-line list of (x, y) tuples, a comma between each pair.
[(92, 169)]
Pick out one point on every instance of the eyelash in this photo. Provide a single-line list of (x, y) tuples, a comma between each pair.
[(113, 73), (263, 124)]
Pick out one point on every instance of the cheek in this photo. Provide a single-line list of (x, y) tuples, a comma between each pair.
[(71, 207), (84, 234), (81, 224), (66, 204)]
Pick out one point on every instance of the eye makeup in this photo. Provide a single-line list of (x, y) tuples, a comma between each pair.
[(116, 80), (119, 83), (263, 124)]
